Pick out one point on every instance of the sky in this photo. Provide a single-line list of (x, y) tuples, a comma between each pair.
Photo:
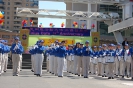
[(53, 6)]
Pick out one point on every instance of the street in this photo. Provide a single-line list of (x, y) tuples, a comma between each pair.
[(28, 80)]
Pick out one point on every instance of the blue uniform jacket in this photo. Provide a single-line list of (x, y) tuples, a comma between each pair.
[(94, 54), (104, 53), (62, 51), (130, 52), (118, 52), (111, 53), (87, 53), (75, 49), (70, 52), (1, 47), (40, 50), (100, 53), (20, 50), (80, 52)]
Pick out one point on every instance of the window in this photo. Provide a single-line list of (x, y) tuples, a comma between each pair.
[(27, 4), (7, 27), (27, 0), (6, 36), (14, 12), (7, 17), (8, 8), (7, 22), (8, 13), (8, 3)]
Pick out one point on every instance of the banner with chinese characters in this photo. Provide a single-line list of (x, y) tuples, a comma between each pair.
[(48, 42), (24, 38), (95, 38), (58, 31)]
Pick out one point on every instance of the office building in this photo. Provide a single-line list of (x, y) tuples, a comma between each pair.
[(13, 22)]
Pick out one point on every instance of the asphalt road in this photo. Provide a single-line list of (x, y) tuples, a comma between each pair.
[(28, 80)]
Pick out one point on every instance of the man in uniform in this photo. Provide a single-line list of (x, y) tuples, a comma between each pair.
[(17, 50), (61, 57)]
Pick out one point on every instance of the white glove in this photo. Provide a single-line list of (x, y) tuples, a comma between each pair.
[(76, 48), (117, 54)]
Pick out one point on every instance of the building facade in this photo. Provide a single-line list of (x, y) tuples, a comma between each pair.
[(11, 21), (100, 27)]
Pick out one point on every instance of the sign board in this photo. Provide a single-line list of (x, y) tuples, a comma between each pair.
[(95, 38), (24, 38), (58, 31)]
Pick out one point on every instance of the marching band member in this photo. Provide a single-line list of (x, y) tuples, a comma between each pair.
[(86, 58), (55, 57), (1, 55), (76, 58), (72, 61), (69, 58), (47, 60), (32, 52), (35, 57), (118, 59), (127, 58), (40, 57), (99, 60), (17, 50), (80, 58), (6, 56), (110, 60), (104, 64), (20, 59), (62, 53), (51, 59), (94, 60)]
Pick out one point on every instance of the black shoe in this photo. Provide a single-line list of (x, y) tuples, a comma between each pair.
[(60, 76), (127, 76), (102, 75), (32, 70), (84, 77), (122, 76), (49, 72), (39, 75), (52, 73), (81, 75), (4, 71), (78, 75), (90, 72), (132, 78), (17, 75), (35, 74), (112, 77), (109, 77), (117, 75)]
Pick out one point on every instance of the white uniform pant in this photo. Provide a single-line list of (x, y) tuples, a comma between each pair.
[(20, 62), (127, 67), (72, 66), (75, 64), (47, 63), (93, 68), (80, 66), (6, 61), (111, 69), (122, 68), (99, 68), (51, 63), (35, 61), (3, 62), (39, 62), (60, 66), (86, 60), (16, 63), (1, 56), (116, 66), (104, 69), (32, 62), (55, 65)]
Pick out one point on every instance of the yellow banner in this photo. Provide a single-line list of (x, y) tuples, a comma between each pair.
[(47, 42), (95, 38), (24, 38)]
